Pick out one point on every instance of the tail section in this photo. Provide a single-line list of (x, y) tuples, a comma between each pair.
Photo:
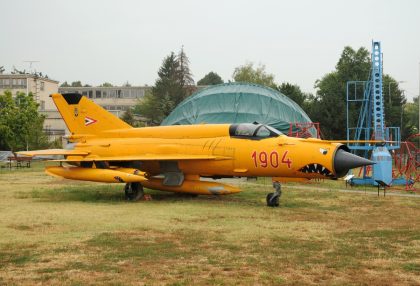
[(83, 116)]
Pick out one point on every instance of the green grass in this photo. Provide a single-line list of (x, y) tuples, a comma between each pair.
[(99, 194), (10, 256), (56, 232), (413, 267)]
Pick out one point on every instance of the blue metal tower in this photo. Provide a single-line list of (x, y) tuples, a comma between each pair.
[(371, 124)]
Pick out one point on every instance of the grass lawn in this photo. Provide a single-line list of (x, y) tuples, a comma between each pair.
[(55, 232)]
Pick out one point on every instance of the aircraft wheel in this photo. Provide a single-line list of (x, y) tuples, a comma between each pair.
[(272, 200), (133, 192)]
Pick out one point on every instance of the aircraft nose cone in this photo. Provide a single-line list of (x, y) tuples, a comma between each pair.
[(344, 161)]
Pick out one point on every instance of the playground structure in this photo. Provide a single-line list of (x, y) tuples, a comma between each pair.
[(406, 162), (303, 129), (396, 162)]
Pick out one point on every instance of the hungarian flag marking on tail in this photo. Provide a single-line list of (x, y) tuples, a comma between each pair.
[(89, 121)]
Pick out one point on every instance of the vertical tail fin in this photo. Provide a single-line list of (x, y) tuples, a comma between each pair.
[(83, 116)]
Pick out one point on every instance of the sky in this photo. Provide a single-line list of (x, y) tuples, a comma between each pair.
[(97, 41)]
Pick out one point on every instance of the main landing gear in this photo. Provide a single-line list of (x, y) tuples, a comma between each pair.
[(273, 198), (133, 191)]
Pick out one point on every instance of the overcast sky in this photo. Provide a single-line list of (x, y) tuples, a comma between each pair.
[(299, 41)]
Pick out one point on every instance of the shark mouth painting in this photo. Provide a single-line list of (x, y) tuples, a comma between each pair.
[(316, 169)]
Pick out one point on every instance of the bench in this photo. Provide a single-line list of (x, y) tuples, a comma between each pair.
[(21, 162)]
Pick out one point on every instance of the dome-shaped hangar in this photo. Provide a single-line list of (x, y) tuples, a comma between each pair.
[(239, 103)]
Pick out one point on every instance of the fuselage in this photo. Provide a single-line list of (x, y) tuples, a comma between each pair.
[(237, 154)]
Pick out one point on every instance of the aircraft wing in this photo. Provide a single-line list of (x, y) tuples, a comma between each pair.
[(53, 152), (145, 157)]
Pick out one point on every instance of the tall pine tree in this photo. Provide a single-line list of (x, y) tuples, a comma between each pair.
[(184, 68), (169, 90)]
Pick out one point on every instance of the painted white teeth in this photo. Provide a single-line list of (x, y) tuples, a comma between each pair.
[(316, 168)]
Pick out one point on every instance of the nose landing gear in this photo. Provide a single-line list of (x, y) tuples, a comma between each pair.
[(133, 191), (273, 198)]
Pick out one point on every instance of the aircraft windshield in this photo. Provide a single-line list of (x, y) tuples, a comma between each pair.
[(253, 131)]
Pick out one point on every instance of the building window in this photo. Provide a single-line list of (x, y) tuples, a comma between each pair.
[(18, 83), (90, 94), (126, 93), (98, 94), (42, 105), (42, 85)]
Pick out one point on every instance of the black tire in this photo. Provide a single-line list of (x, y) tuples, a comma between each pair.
[(272, 200), (133, 192)]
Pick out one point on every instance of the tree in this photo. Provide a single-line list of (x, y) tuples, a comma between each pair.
[(329, 105), (128, 117), (76, 84), (395, 102), (184, 68), (106, 84), (20, 123), (294, 92), (211, 78), (127, 84), (329, 108), (149, 108), (2, 69), (7, 112), (411, 118), (169, 90), (170, 84), (247, 73)]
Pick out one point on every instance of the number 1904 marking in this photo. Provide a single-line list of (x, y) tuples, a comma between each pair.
[(263, 159)]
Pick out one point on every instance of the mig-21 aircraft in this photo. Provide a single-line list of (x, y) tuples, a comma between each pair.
[(103, 148)]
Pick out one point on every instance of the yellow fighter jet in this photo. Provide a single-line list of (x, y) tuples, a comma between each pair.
[(103, 148)]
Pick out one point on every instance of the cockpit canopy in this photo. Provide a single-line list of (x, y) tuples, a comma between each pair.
[(254, 131)]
